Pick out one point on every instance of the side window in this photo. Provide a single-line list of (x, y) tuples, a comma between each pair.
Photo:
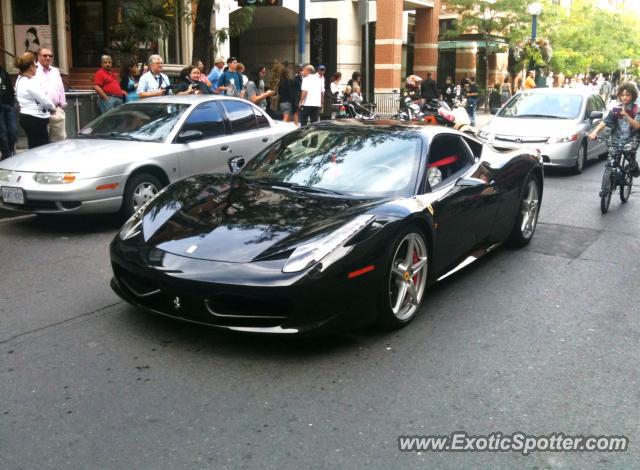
[(207, 119), (262, 119), (475, 146), (241, 116), (590, 107), (599, 103), (450, 156)]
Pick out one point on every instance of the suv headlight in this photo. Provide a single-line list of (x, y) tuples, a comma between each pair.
[(561, 140), (55, 178), (310, 253), (5, 175)]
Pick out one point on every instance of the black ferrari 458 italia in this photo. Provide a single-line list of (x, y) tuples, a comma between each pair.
[(331, 227)]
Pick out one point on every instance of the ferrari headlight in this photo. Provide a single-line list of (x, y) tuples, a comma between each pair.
[(55, 178), (309, 254), (561, 140), (131, 227), (5, 175)]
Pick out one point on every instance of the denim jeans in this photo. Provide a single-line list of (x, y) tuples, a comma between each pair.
[(8, 130), (110, 103), (472, 104)]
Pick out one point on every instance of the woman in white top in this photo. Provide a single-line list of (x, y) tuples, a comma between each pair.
[(35, 106), (335, 84)]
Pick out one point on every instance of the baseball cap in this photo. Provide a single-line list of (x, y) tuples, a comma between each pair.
[(300, 66), (321, 67)]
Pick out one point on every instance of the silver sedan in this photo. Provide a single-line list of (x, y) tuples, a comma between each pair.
[(556, 121), (123, 158)]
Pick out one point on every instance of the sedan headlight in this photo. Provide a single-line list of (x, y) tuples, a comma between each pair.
[(485, 135), (5, 175), (309, 254), (561, 140), (55, 178)]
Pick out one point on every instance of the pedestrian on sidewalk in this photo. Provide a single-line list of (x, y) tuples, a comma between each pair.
[(35, 105), (215, 74), (106, 86), (154, 82), (231, 79), (255, 88), (429, 89), (129, 78), (288, 95), (472, 99), (311, 96), (505, 91), (8, 120), (52, 84)]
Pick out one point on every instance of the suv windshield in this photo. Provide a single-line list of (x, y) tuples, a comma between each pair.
[(351, 161), (543, 106), (149, 122)]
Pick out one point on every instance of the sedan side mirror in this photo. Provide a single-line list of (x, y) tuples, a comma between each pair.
[(595, 115), (188, 136), (235, 164)]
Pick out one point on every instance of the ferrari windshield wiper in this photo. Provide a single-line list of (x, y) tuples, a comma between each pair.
[(299, 187), (540, 116)]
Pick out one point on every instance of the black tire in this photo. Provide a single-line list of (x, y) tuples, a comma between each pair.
[(139, 189), (606, 190), (625, 190), (582, 159), (527, 217), (398, 305)]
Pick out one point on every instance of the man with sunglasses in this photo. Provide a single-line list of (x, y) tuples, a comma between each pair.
[(52, 85)]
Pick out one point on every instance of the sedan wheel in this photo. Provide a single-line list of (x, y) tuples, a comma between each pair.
[(406, 279), (527, 219), (582, 159), (140, 189)]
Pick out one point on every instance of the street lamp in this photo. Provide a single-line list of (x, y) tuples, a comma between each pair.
[(534, 10)]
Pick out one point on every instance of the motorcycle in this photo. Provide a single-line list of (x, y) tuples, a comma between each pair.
[(435, 112)]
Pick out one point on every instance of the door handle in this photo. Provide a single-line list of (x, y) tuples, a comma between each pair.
[(265, 139), (224, 148)]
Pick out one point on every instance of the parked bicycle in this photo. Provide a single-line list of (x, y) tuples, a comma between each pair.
[(618, 172)]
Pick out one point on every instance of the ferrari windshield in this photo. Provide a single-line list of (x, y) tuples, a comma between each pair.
[(149, 122), (543, 106), (359, 162)]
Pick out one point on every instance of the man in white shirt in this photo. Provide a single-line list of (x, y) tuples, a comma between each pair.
[(52, 85), (154, 82), (311, 95)]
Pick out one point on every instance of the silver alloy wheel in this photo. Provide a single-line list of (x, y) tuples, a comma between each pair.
[(408, 276), (143, 193), (529, 210)]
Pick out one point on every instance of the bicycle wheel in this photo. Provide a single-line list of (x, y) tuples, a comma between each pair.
[(625, 188), (608, 186)]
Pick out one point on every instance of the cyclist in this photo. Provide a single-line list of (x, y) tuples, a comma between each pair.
[(624, 120)]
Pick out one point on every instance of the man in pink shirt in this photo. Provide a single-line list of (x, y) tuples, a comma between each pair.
[(51, 83)]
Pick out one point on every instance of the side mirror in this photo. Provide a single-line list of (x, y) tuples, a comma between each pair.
[(235, 164), (469, 182), (495, 110), (595, 115), (188, 136)]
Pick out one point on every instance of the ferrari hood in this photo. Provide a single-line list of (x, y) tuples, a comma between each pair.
[(82, 156), (217, 218)]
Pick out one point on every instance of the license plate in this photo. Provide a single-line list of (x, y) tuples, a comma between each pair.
[(12, 195)]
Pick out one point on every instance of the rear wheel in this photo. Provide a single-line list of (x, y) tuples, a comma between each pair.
[(405, 279), (608, 186), (527, 218), (140, 189)]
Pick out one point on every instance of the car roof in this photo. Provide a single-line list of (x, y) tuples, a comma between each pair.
[(187, 99)]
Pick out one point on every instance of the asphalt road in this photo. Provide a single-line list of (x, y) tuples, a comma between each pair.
[(540, 340)]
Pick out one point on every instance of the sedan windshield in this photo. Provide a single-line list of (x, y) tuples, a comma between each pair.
[(149, 122), (358, 162), (543, 106)]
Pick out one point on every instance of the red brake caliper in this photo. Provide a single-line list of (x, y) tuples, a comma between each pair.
[(415, 259)]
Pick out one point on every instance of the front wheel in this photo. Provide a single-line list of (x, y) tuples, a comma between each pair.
[(608, 186), (140, 189), (405, 278), (625, 189), (582, 159), (527, 218)]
